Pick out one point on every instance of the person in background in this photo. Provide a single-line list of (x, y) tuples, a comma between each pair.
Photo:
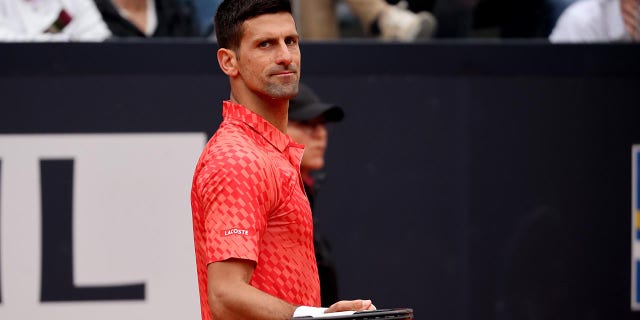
[(378, 18), (252, 223), (147, 18), (203, 14), (599, 21), (51, 20), (308, 117), (554, 9)]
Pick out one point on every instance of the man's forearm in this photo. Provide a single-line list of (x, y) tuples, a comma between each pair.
[(242, 301)]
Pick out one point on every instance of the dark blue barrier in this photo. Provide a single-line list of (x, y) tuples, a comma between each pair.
[(467, 181)]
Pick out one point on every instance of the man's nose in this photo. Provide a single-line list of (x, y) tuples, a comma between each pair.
[(320, 130), (284, 54)]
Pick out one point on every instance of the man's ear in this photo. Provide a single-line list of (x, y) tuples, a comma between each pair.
[(228, 62)]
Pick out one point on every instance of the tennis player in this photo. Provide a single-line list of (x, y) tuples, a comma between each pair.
[(253, 228)]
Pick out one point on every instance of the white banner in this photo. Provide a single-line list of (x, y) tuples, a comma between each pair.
[(131, 225)]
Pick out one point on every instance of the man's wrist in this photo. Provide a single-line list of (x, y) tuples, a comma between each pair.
[(306, 311)]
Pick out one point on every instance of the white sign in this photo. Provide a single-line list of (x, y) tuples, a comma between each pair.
[(131, 224)]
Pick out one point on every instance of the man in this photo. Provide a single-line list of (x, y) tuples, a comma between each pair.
[(51, 20), (148, 18), (377, 17), (307, 126), (253, 228)]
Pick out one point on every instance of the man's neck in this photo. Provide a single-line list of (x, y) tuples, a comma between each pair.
[(132, 5), (273, 110)]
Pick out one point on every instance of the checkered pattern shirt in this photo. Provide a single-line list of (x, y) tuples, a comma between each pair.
[(248, 202)]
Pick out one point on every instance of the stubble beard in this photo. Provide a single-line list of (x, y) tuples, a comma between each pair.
[(287, 90), (283, 88)]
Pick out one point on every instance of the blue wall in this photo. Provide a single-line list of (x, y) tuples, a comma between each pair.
[(467, 181)]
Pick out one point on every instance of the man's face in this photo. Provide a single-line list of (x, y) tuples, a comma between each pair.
[(313, 135), (269, 56)]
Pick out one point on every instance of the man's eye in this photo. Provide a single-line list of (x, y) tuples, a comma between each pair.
[(263, 44), (291, 41)]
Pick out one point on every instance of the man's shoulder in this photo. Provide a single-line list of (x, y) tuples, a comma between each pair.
[(233, 132), (582, 13), (234, 145), (582, 21)]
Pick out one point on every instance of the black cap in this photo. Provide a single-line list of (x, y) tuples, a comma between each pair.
[(307, 106)]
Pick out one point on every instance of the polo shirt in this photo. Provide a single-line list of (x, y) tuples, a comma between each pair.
[(248, 202)]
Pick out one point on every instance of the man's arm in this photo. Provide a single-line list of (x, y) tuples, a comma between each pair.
[(231, 296)]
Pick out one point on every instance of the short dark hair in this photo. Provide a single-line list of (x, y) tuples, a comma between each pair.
[(232, 14)]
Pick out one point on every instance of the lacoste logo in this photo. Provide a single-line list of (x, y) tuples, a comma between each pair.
[(235, 232)]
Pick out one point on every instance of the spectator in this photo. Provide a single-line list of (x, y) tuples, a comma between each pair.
[(253, 229), (203, 14), (554, 9), (307, 125), (51, 20), (147, 18), (598, 21), (378, 18)]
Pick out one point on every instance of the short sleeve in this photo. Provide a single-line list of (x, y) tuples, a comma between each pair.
[(234, 197)]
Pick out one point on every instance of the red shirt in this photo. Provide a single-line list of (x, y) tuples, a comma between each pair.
[(248, 202)]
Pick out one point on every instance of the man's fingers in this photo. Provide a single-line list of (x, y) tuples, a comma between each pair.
[(351, 305), (367, 305)]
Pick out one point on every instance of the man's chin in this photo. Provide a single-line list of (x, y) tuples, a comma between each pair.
[(283, 91)]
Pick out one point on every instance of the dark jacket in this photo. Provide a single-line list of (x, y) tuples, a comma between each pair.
[(326, 265), (173, 20)]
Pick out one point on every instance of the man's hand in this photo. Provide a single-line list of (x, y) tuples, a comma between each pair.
[(351, 305)]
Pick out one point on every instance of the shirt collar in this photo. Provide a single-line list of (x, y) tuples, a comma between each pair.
[(234, 111)]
